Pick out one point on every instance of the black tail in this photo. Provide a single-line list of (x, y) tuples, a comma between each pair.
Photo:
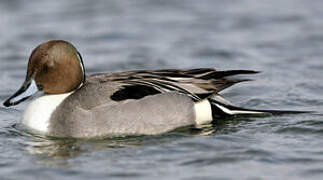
[(222, 74), (224, 110)]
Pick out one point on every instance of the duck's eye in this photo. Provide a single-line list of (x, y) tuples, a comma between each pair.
[(45, 68), (40, 87)]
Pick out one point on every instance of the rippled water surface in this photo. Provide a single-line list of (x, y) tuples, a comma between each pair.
[(283, 39)]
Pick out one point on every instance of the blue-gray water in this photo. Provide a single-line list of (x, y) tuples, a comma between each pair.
[(283, 39)]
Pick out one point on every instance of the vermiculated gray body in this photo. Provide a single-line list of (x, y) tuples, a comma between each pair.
[(81, 116)]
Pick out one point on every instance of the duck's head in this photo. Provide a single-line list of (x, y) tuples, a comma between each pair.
[(54, 67)]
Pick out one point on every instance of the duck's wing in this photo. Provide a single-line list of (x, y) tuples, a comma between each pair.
[(196, 83)]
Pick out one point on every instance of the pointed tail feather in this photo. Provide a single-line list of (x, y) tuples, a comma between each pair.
[(222, 74), (224, 110)]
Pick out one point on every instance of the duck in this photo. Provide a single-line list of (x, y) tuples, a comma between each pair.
[(67, 103)]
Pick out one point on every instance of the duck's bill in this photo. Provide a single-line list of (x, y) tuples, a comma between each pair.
[(28, 89)]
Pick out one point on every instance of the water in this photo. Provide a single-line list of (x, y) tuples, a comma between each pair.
[(283, 39)]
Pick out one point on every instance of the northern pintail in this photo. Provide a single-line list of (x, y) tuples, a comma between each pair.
[(143, 102)]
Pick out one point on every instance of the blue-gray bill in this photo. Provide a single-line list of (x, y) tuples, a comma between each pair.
[(28, 89)]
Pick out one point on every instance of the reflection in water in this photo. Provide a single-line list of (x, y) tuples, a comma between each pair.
[(59, 151), (52, 148)]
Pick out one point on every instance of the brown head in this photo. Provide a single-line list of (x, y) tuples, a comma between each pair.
[(54, 67)]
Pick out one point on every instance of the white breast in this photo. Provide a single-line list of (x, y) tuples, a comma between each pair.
[(39, 111)]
